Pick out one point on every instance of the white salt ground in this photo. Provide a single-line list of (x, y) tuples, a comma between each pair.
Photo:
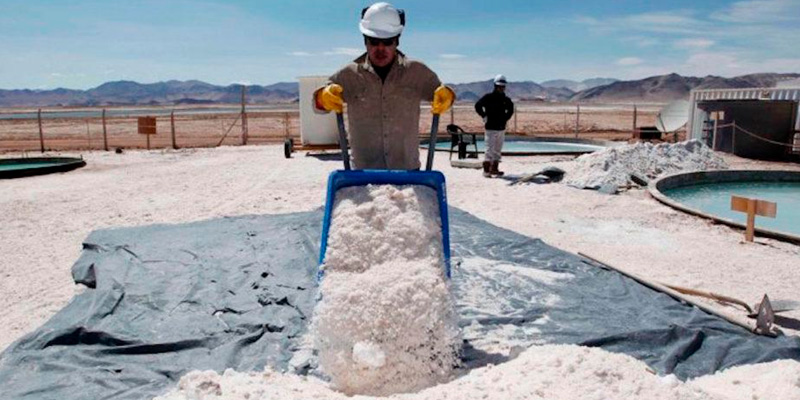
[(614, 166), (386, 322), (770, 381), (45, 219), (550, 372)]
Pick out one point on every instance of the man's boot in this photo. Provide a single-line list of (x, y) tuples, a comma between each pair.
[(495, 169), (486, 169)]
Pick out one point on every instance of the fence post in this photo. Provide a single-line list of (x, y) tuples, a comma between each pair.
[(105, 134), (41, 134), (578, 121), (172, 125), (714, 134), (88, 135), (286, 123), (635, 115), (244, 117), (516, 131), (452, 115)]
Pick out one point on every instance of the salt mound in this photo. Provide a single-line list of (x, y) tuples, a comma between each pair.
[(386, 322), (378, 223), (613, 166), (564, 372), (391, 329)]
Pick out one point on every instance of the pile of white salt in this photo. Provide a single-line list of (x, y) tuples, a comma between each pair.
[(553, 372), (615, 165), (386, 322)]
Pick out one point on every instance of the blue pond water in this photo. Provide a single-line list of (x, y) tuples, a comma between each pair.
[(28, 165), (715, 198), (523, 146)]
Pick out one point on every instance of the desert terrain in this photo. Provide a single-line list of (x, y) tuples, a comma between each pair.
[(193, 129), (46, 218)]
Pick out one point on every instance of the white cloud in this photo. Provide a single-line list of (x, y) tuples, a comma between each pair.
[(694, 43), (727, 64), (300, 54), (679, 22), (710, 62), (732, 64), (346, 51), (641, 41), (766, 11), (628, 61), (451, 56), (56, 74)]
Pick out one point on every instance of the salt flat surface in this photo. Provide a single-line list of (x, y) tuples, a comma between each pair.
[(541, 372), (45, 219)]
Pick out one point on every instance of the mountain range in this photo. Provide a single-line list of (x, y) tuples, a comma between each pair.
[(673, 87), (577, 86), (662, 88)]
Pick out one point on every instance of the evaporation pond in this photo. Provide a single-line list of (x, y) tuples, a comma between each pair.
[(715, 199), (525, 146), (28, 165)]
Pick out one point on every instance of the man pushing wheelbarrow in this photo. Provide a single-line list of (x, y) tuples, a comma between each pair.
[(383, 90)]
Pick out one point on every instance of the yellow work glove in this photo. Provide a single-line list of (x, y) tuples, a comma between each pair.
[(443, 98), (330, 98)]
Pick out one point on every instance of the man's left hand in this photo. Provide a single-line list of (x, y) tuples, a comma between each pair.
[(443, 98)]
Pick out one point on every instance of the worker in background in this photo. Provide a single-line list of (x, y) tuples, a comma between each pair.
[(383, 90), (496, 109)]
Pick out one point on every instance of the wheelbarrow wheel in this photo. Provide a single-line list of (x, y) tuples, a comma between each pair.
[(288, 146)]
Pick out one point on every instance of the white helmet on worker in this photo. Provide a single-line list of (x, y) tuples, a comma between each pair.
[(500, 80), (382, 21)]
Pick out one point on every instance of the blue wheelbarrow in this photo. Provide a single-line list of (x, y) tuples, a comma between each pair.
[(345, 178)]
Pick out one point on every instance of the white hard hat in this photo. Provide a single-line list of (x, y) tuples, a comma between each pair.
[(382, 21), (500, 80)]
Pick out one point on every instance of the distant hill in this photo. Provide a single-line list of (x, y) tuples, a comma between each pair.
[(526, 90), (662, 88), (665, 88), (577, 86), (160, 93)]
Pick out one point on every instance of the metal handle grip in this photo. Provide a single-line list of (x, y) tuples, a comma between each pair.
[(343, 140), (432, 142)]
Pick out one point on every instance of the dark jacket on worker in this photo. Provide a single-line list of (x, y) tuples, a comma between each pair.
[(497, 108)]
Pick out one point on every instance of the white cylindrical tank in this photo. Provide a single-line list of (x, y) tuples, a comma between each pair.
[(315, 128)]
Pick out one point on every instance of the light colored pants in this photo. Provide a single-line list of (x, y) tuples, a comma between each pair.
[(494, 144)]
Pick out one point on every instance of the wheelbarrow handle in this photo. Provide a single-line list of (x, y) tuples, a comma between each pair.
[(432, 142), (343, 140)]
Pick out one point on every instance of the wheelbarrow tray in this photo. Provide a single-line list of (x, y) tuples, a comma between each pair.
[(345, 178)]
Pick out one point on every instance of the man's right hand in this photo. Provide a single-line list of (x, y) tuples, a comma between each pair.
[(330, 98)]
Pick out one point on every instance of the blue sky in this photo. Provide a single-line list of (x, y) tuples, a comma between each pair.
[(82, 43)]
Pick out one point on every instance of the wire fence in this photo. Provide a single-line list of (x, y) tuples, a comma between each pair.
[(723, 137), (96, 129)]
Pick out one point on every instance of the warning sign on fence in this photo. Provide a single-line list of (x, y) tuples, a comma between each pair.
[(147, 125)]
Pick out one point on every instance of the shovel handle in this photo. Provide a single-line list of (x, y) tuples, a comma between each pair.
[(343, 140), (432, 142), (710, 295)]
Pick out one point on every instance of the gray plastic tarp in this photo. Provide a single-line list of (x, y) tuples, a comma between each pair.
[(239, 293)]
